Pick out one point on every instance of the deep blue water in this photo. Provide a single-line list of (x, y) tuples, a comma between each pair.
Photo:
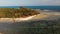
[(35, 7)]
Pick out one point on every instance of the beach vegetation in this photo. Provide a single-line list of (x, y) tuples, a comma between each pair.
[(16, 12)]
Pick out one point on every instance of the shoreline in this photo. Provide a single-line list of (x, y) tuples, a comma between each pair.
[(12, 20), (42, 16)]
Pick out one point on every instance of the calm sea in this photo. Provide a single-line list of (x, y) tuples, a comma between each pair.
[(35, 7)]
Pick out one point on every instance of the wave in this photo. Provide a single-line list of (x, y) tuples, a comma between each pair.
[(46, 10)]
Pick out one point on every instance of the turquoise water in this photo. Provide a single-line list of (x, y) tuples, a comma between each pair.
[(35, 7)]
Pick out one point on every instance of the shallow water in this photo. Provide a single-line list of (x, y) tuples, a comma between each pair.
[(31, 27)]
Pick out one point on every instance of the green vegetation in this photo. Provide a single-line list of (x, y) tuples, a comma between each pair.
[(16, 13)]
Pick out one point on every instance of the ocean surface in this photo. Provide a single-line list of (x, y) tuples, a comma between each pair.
[(31, 27), (35, 7)]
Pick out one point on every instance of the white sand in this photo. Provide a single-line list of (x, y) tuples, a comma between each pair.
[(12, 20), (42, 15)]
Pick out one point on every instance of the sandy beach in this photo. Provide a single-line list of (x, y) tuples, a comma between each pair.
[(41, 16)]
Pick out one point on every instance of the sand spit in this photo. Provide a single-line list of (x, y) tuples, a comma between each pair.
[(41, 16), (12, 20)]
